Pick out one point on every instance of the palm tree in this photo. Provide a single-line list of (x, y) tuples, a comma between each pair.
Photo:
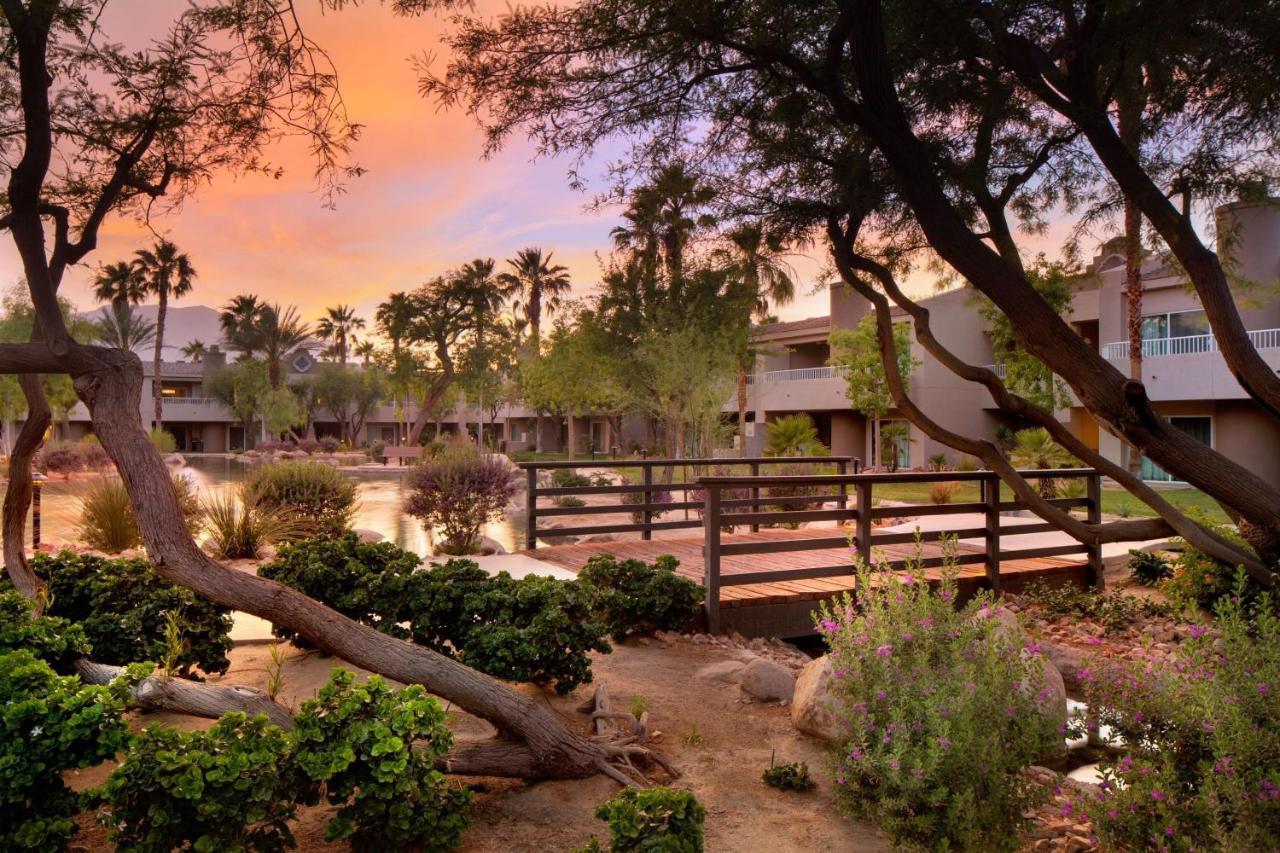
[(365, 349), (279, 332), (336, 325), (755, 261), (166, 272), (239, 323), (394, 318), (535, 283), (119, 284), (119, 326), (1035, 448), (195, 351)]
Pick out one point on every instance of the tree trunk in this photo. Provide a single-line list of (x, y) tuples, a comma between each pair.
[(1130, 129), (17, 498), (180, 696), (156, 384), (742, 408), (573, 444), (537, 432)]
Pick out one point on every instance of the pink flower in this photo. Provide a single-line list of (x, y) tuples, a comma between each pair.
[(885, 650), (828, 626), (1197, 631), (1158, 796), (944, 742), (1263, 689)]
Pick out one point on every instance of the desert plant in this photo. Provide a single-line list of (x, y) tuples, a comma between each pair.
[(95, 456), (62, 458), (568, 501), (790, 498), (124, 606), (657, 495), (107, 522), (567, 478), (943, 492), (308, 445), (937, 462), (793, 435), (1035, 448), (656, 819), (457, 492), (329, 444), (1149, 568), (632, 597), (162, 440), (789, 777), (939, 709), (238, 529), (1114, 610), (320, 499)]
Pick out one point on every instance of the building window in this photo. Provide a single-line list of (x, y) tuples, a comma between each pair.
[(1200, 428), (1176, 333)]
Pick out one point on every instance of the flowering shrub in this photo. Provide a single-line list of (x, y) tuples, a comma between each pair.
[(308, 445), (457, 492), (275, 445), (798, 493), (656, 819), (329, 444), (62, 458), (657, 495), (632, 597), (1202, 733), (319, 498), (940, 709), (94, 454), (1199, 580)]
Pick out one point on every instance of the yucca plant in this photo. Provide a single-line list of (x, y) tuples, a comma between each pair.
[(107, 522), (239, 529)]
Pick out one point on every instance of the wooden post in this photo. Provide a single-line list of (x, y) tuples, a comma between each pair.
[(755, 496), (711, 556), (1093, 575), (647, 534), (37, 486), (991, 498), (842, 502), (531, 508), (862, 529)]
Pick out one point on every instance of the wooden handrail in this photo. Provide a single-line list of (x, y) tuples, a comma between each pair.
[(551, 465)]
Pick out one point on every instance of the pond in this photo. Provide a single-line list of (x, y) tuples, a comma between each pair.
[(380, 495)]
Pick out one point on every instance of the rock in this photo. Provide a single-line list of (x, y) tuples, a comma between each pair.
[(602, 537), (699, 640), (557, 540), (491, 546), (1069, 661), (813, 707), (725, 671), (368, 535), (764, 679), (175, 460)]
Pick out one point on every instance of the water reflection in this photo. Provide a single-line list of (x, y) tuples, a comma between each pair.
[(380, 494)]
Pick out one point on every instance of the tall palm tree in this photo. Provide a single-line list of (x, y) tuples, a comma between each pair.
[(119, 284), (487, 296), (239, 323), (394, 318), (279, 331), (755, 261), (535, 283), (337, 325), (166, 273), (119, 326), (365, 349), (195, 351)]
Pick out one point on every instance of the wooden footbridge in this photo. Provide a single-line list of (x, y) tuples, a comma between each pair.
[(732, 533)]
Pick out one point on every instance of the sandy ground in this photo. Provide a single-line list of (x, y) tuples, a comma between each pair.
[(720, 743)]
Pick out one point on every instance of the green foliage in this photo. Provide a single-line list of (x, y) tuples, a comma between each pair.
[(793, 435), (107, 522), (855, 353), (56, 641), (162, 440), (535, 629), (122, 607), (1114, 610), (374, 750), (1149, 568), (239, 529), (1199, 580), (229, 788), (632, 597), (656, 820), (243, 387), (1201, 735), (939, 710), (319, 498), (789, 777), (568, 501), (457, 492), (49, 724), (1036, 449), (797, 493), (567, 478)]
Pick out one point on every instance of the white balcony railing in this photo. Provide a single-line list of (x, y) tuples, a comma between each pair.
[(997, 369), (190, 401), (799, 374), (1188, 345)]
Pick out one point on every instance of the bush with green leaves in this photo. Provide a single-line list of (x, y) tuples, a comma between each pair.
[(793, 435), (655, 820), (789, 777), (319, 498), (123, 606), (373, 749), (232, 787), (1199, 580), (50, 724), (162, 440), (567, 478), (107, 522), (939, 709), (634, 597), (58, 642), (800, 495), (1149, 568), (1114, 610), (1201, 737)]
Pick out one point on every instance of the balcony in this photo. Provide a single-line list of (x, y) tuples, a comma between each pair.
[(799, 374), (1189, 345)]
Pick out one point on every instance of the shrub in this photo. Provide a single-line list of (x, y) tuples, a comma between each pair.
[(320, 499), (49, 724), (568, 501), (1199, 580), (789, 777), (374, 750), (308, 445), (631, 597), (274, 445), (162, 440), (942, 493), (656, 819), (1202, 738), (122, 606), (939, 711), (94, 454), (1114, 610), (456, 493), (779, 494), (378, 452), (329, 444), (567, 478), (107, 522), (793, 435), (657, 495), (239, 529), (699, 496), (1148, 568), (62, 458), (230, 787), (54, 640)]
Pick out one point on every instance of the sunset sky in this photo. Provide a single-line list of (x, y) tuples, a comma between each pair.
[(428, 201)]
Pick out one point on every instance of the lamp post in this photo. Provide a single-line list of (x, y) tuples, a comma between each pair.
[(37, 485)]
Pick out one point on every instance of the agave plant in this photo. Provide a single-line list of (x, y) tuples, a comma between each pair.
[(239, 529)]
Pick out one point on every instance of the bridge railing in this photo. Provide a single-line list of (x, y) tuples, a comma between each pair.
[(723, 508), (647, 510)]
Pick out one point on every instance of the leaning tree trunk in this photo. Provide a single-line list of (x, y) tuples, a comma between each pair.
[(1130, 128), (17, 498), (533, 742), (180, 696), (156, 385)]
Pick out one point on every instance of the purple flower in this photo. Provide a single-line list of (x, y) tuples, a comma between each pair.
[(1158, 796), (1263, 688), (944, 742), (880, 694), (1032, 648), (885, 650), (828, 626), (1168, 832), (946, 595), (906, 637), (1197, 631), (1223, 766), (855, 754)]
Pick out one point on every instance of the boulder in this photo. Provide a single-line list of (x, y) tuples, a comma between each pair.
[(368, 535), (764, 679), (602, 537), (724, 672), (491, 546), (813, 707), (558, 540), (1068, 662), (175, 460)]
